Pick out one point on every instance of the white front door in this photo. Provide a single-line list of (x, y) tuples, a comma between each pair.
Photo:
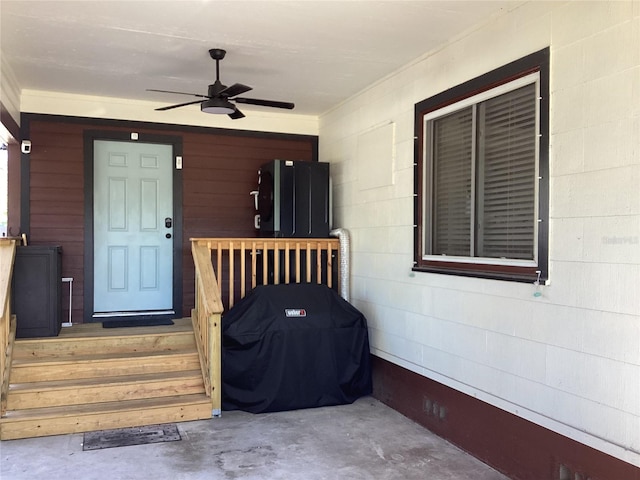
[(133, 228)]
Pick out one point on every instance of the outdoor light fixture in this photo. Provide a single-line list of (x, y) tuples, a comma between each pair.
[(217, 105)]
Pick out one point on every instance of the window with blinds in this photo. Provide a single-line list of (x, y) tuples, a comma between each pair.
[(484, 167), (479, 171)]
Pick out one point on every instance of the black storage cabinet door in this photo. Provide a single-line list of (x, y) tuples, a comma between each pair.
[(36, 291), (294, 199)]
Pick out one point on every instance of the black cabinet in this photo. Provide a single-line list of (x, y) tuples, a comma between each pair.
[(36, 290), (294, 199)]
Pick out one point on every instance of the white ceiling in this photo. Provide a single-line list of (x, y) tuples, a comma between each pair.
[(313, 53)]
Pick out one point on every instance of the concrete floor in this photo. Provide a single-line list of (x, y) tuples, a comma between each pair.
[(366, 440)]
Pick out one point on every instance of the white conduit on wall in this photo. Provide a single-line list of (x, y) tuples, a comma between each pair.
[(343, 237)]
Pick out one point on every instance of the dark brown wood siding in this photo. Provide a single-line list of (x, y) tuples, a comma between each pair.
[(219, 170), (219, 173), (56, 199)]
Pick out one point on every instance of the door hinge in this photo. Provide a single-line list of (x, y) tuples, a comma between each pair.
[(178, 162)]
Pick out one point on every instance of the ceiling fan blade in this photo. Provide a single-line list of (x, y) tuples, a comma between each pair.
[(161, 109), (236, 115), (179, 93), (265, 103), (235, 89)]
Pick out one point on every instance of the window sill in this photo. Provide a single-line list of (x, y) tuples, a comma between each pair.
[(493, 272)]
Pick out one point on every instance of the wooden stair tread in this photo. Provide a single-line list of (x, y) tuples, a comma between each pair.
[(41, 386), (69, 411), (24, 343), (96, 329), (47, 348), (98, 357), (39, 370), (111, 334), (130, 332)]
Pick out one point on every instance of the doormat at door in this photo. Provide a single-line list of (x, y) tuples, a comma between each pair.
[(145, 322), (124, 437)]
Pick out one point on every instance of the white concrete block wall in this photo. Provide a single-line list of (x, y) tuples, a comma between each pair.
[(569, 360)]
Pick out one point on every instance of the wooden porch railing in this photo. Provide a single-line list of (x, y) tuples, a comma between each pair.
[(7, 321), (243, 263), (207, 325), (239, 265)]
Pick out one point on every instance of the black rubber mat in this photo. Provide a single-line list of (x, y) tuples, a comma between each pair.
[(124, 437), (145, 322)]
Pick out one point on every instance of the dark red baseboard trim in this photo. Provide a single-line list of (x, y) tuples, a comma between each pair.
[(517, 447)]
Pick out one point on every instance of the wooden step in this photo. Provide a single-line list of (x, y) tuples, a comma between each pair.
[(90, 378), (102, 365), (79, 346), (100, 390), (101, 416)]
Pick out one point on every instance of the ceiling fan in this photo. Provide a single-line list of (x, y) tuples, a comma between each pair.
[(220, 98)]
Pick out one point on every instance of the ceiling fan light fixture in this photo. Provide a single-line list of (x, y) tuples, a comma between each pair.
[(217, 105)]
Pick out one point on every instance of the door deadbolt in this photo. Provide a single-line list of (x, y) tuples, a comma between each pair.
[(167, 222)]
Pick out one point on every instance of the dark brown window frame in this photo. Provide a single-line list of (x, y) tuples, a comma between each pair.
[(535, 62)]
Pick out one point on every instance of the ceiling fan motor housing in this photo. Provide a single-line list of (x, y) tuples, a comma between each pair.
[(215, 89)]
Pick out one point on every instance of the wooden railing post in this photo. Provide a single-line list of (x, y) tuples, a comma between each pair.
[(215, 370), (7, 321), (206, 319)]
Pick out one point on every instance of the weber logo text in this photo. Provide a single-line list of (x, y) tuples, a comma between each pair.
[(295, 312)]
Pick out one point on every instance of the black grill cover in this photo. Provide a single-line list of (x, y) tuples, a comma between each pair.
[(293, 346)]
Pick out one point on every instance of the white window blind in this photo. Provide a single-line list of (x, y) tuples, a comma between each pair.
[(506, 175), (483, 178), (452, 150)]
